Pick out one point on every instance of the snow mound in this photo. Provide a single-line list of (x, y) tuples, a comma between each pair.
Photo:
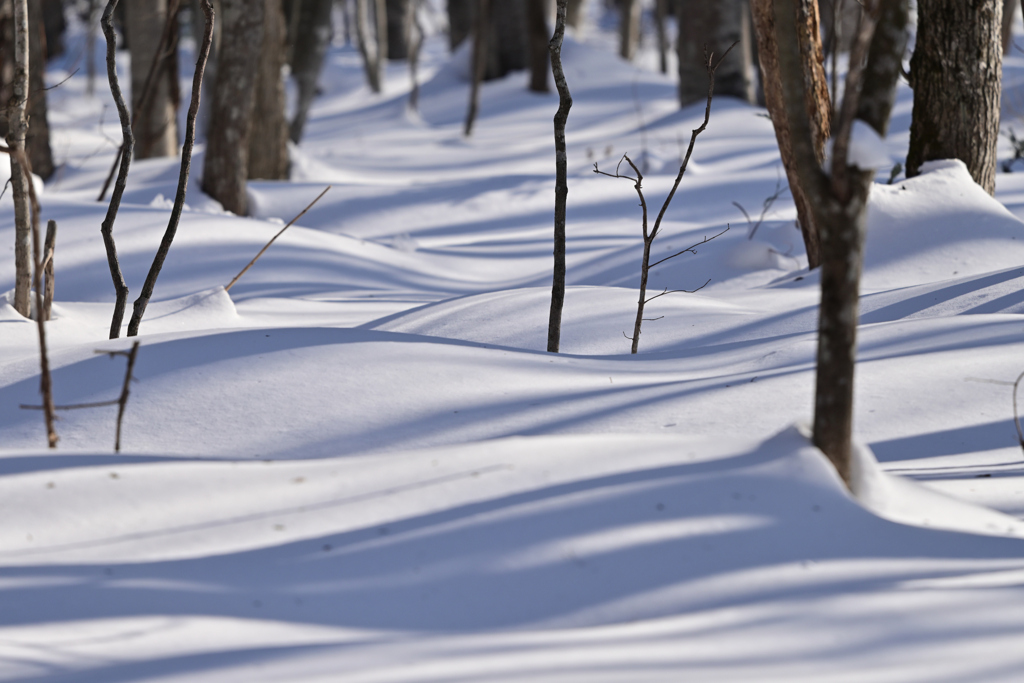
[(937, 226)]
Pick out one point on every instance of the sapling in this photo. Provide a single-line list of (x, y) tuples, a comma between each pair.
[(650, 235)]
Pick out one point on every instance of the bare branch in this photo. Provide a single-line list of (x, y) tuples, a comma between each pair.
[(691, 249), (279, 233)]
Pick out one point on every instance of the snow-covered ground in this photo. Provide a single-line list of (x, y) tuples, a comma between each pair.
[(361, 465)]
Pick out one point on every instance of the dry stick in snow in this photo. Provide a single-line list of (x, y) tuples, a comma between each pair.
[(121, 401), (272, 239), (48, 247), (149, 88), (650, 235), (561, 180), (120, 288), (45, 384), (139, 309)]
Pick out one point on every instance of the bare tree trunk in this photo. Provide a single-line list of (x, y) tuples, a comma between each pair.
[(574, 13), (460, 21), (17, 127), (817, 105), (155, 121), (839, 201), (539, 35), (268, 138), (52, 15), (660, 12), (415, 31), (561, 180), (308, 60), (48, 255), (1009, 10), (956, 72), (629, 28), (90, 47), (37, 141), (479, 61), (398, 46), (225, 169), (715, 26), (374, 52)]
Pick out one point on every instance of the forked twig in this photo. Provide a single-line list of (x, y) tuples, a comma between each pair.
[(279, 233)]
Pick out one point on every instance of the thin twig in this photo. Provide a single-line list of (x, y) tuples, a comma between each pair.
[(279, 233), (678, 291), (692, 247), (122, 401)]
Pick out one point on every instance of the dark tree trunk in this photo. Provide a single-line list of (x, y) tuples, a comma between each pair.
[(507, 38), (374, 49), (629, 28), (37, 140), (956, 71), (460, 21), (308, 58), (55, 24), (1009, 12), (156, 124), (268, 138), (225, 168), (561, 181), (716, 26), (818, 108), (540, 56), (398, 43), (478, 61)]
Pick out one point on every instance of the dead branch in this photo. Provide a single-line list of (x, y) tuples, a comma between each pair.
[(128, 146), (139, 309), (45, 383), (692, 248), (561, 179), (272, 239)]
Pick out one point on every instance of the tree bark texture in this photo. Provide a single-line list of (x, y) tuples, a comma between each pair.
[(817, 105), (398, 43), (478, 61), (877, 95), (539, 35), (629, 28), (37, 140), (16, 131), (716, 25), (308, 58), (956, 72), (268, 137), (156, 123), (561, 180), (225, 169)]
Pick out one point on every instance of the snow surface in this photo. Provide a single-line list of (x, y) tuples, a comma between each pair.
[(360, 464)]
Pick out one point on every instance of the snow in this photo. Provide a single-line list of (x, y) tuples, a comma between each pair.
[(360, 464)]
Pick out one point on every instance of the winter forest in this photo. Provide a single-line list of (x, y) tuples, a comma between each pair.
[(511, 340)]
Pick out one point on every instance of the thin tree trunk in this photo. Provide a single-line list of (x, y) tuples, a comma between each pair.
[(225, 169), (16, 131), (1009, 12), (479, 61), (540, 57), (127, 148), (374, 52), (561, 180), (956, 73), (155, 120), (660, 11), (398, 46), (179, 198), (90, 48), (629, 28), (37, 141), (310, 51), (714, 26), (817, 106), (268, 138), (48, 256), (415, 31)]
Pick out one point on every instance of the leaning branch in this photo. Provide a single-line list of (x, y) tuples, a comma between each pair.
[(561, 180)]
